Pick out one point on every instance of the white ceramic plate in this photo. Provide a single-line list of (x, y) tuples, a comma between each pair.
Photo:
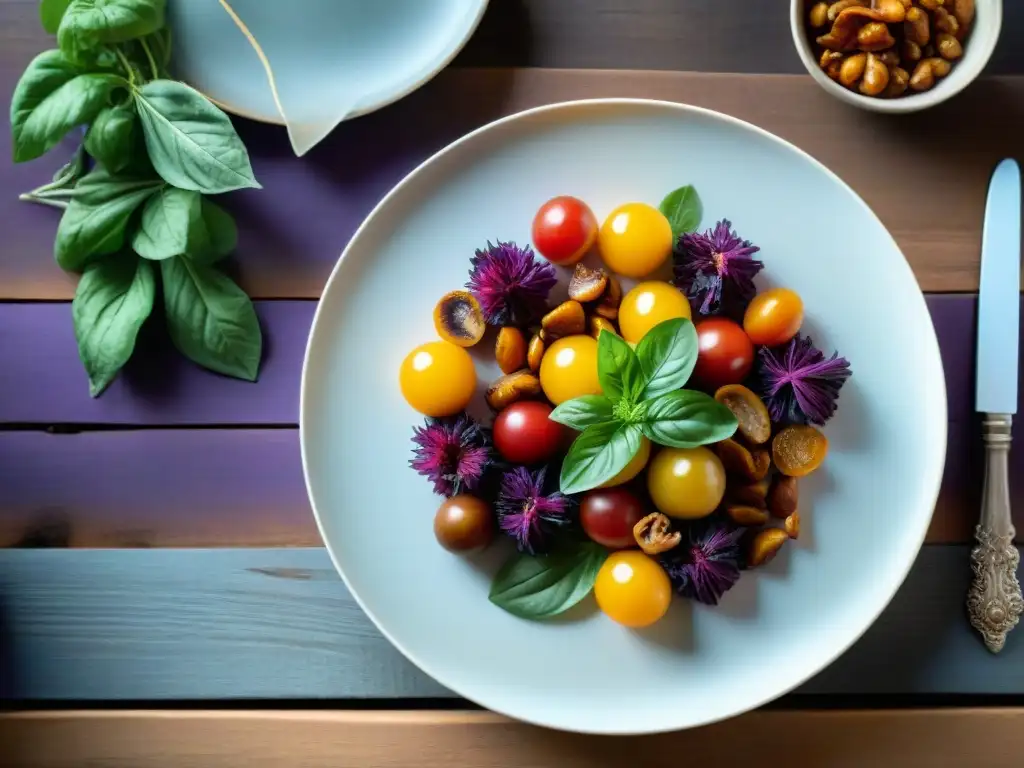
[(865, 512), (385, 49)]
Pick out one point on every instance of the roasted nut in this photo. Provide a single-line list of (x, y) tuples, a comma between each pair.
[(818, 16), (510, 388), (875, 36), (535, 352), (750, 494), (890, 58), (916, 28), (899, 79), (587, 284), (876, 77), (852, 69), (792, 526), (608, 306), (838, 7), (738, 460), (744, 515), (828, 57), (843, 35), (923, 77), (948, 46), (510, 349), (910, 51), (783, 497), (963, 12), (567, 319), (765, 545), (598, 324), (940, 67), (931, 5), (654, 534)]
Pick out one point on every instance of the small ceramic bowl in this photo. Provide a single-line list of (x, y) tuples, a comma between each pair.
[(978, 49)]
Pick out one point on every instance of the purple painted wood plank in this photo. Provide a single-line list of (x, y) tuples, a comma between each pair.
[(42, 381)]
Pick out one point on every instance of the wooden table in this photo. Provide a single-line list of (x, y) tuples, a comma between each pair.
[(160, 559)]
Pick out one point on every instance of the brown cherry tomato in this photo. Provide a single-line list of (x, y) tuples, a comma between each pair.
[(608, 516), (798, 450), (464, 523), (773, 317)]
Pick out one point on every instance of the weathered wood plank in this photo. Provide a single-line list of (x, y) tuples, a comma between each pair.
[(293, 230), (980, 738), (136, 625)]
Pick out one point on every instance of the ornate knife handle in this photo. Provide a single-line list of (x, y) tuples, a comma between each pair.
[(994, 600)]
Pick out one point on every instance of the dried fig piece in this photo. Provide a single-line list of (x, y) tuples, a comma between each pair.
[(754, 423), (765, 545), (510, 388), (587, 284), (747, 516), (459, 319), (535, 352), (792, 526), (783, 496), (608, 306), (875, 36), (654, 534), (899, 79), (818, 16), (737, 460), (751, 494), (799, 449), (598, 324), (917, 27), (510, 349), (567, 319), (876, 77), (948, 46)]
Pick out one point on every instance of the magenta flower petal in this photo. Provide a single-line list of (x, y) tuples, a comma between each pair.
[(715, 269), (453, 453), (799, 384), (528, 511), (709, 566), (511, 284)]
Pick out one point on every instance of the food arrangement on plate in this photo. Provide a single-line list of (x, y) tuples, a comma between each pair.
[(648, 435)]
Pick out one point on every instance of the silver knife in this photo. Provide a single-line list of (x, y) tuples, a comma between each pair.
[(994, 601)]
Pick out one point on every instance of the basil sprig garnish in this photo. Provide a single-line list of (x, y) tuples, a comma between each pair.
[(538, 587), (643, 397)]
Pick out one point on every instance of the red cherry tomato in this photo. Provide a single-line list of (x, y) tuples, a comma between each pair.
[(564, 229), (724, 353), (523, 433), (608, 516)]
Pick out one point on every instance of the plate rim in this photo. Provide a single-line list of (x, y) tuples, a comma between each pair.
[(936, 472)]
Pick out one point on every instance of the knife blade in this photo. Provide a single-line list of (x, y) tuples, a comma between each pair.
[(999, 295)]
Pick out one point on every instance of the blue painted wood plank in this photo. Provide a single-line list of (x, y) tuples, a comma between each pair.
[(278, 623)]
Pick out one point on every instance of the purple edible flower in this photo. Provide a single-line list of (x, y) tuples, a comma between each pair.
[(715, 269), (526, 512), (710, 566), (453, 452), (799, 384), (511, 284)]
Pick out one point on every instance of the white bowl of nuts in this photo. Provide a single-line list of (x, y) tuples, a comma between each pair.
[(895, 55)]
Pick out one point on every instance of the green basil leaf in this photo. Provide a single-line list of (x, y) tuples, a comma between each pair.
[(111, 137), (113, 300), (50, 99), (88, 24), (210, 319), (667, 354), (683, 209), (618, 369), (170, 219), (597, 455), (219, 238), (584, 411), (192, 144), (685, 419), (539, 587), (69, 173), (50, 14), (95, 220)]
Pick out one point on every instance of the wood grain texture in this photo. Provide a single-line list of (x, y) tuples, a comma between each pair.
[(293, 230), (236, 624), (980, 738)]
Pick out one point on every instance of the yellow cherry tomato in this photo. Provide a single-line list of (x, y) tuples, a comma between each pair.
[(438, 378), (648, 304), (632, 589), (635, 239), (686, 482), (635, 466), (569, 369)]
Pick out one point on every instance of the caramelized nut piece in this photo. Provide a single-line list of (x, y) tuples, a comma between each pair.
[(818, 16), (843, 35), (876, 77), (963, 12), (852, 69), (899, 79), (875, 36), (948, 46), (608, 306), (765, 545), (792, 526), (923, 77), (783, 497), (940, 67), (946, 22), (744, 515), (587, 284), (654, 534), (751, 494), (911, 51), (890, 58), (535, 352), (828, 57), (841, 5), (931, 5), (916, 28), (598, 324), (512, 387), (567, 319), (510, 349), (737, 460)]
